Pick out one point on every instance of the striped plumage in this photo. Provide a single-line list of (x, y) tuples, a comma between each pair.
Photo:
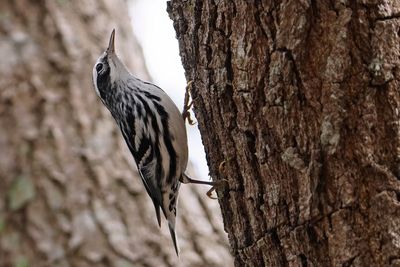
[(152, 127)]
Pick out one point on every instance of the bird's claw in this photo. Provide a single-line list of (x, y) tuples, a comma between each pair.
[(189, 84), (187, 105), (186, 116), (221, 167), (220, 185)]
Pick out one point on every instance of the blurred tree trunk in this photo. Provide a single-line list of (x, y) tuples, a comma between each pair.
[(69, 191), (298, 105)]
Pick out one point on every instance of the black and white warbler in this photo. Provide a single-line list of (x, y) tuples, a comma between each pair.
[(153, 129)]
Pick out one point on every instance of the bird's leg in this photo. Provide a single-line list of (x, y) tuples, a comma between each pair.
[(187, 105), (214, 184)]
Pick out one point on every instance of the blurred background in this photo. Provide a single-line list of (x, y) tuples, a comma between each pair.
[(70, 194)]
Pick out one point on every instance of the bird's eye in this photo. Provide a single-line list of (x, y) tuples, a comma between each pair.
[(99, 67)]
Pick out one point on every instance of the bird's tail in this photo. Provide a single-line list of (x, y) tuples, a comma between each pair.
[(171, 224)]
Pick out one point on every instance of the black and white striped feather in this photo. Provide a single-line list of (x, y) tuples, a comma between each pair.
[(152, 127)]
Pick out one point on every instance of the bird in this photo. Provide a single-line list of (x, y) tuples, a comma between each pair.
[(153, 129)]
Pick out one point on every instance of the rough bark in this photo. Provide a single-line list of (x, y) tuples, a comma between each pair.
[(298, 107), (69, 192)]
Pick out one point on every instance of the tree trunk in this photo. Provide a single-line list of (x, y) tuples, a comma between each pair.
[(69, 192), (298, 106)]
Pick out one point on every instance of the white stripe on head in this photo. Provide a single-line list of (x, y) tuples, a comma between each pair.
[(94, 73)]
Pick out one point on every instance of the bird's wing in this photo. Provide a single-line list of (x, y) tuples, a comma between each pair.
[(146, 162), (147, 170)]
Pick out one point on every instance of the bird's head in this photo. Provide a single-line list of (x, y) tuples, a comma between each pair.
[(108, 70)]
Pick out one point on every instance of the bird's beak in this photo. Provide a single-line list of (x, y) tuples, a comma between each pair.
[(111, 48)]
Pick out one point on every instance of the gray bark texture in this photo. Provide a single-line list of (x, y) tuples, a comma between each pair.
[(70, 194), (298, 106)]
